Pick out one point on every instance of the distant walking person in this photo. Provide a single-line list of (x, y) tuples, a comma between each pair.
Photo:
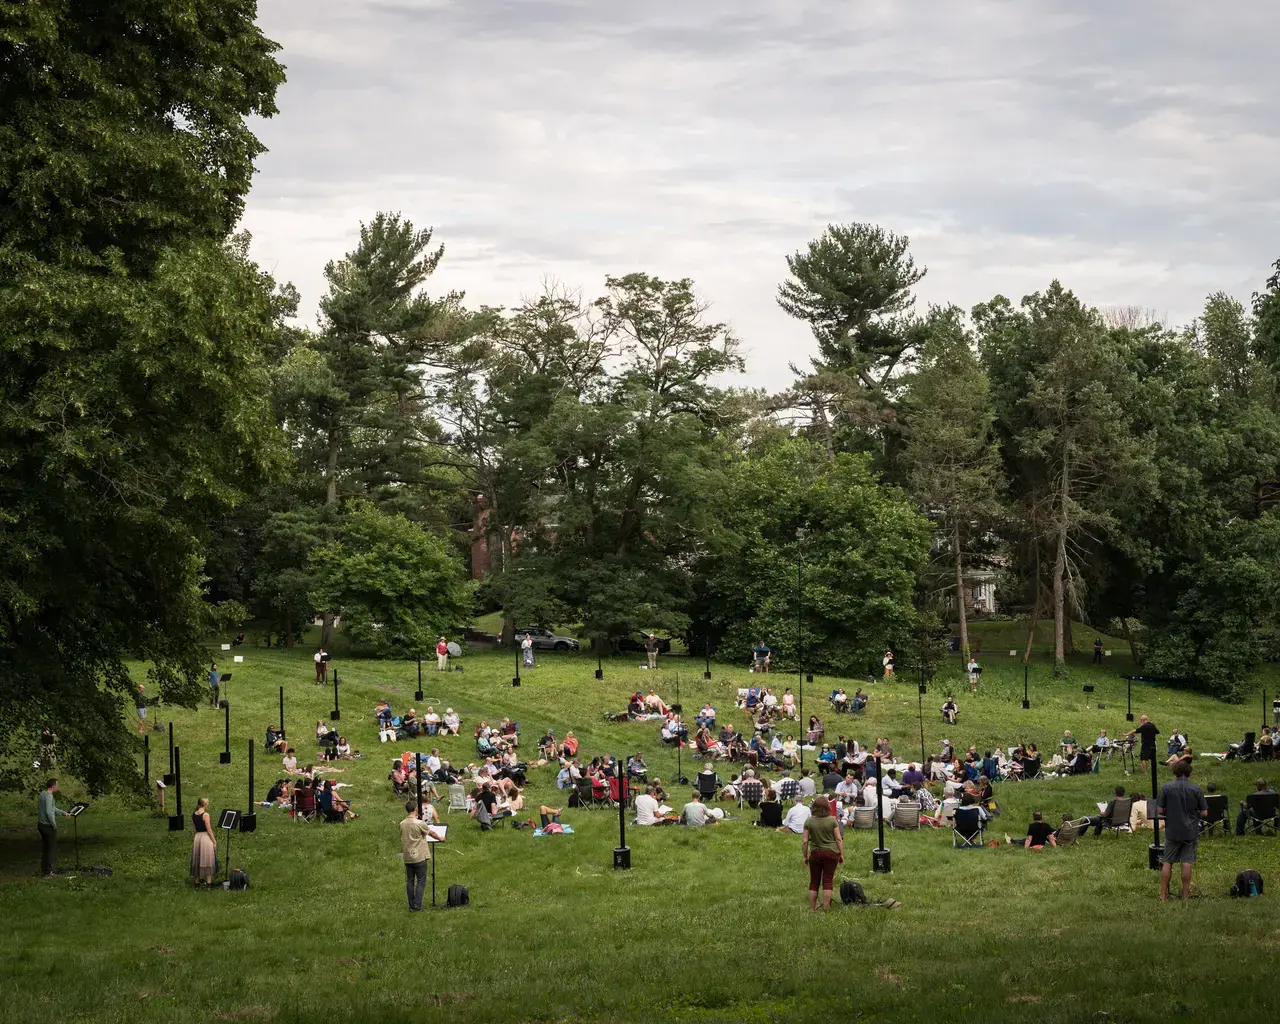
[(1182, 805), (204, 849), (651, 648), (140, 705), (442, 655), (47, 826), (214, 683), (415, 843), (1097, 651), (320, 661), (526, 645)]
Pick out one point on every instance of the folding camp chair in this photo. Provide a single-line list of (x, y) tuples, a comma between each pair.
[(906, 815), (457, 798), (1070, 831), (1119, 820), (1216, 803), (1263, 815), (706, 785), (864, 817), (966, 829), (750, 793)]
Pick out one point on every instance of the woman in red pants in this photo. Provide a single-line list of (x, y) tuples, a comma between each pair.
[(822, 847)]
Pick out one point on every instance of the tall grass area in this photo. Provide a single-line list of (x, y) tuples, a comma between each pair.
[(708, 925)]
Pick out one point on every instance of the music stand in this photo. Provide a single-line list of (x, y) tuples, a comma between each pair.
[(228, 823), (444, 835), (75, 812)]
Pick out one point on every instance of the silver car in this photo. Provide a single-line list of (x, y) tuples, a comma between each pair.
[(545, 640)]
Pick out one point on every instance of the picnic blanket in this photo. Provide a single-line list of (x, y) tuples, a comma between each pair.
[(568, 831)]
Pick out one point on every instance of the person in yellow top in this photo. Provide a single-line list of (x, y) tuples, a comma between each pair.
[(414, 842)]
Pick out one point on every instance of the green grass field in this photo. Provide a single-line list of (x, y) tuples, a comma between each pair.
[(708, 925)]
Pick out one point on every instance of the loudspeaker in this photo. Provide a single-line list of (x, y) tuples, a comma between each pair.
[(176, 822), (880, 862), (808, 677), (1102, 707), (1026, 705), (622, 856), (599, 673), (224, 757), (334, 715), (458, 896), (1155, 855), (1088, 688), (249, 822), (515, 680), (923, 688), (168, 779)]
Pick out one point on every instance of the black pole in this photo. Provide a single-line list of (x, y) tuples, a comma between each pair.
[(599, 662), (175, 820), (418, 695), (515, 680), (1154, 854), (1264, 707), (880, 857), (679, 739), (920, 703), (622, 855), (1129, 717), (146, 761), (335, 714), (251, 800), (417, 771), (282, 711), (225, 756), (1026, 697), (170, 751), (706, 674)]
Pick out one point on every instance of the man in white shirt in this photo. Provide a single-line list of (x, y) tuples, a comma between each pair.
[(433, 761), (797, 815), (647, 809)]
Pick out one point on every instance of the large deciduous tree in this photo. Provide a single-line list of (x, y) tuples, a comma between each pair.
[(133, 392)]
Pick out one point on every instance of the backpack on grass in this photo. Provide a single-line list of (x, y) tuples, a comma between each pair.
[(852, 892), (1248, 883)]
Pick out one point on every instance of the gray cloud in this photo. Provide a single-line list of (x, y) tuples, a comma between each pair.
[(1127, 149)]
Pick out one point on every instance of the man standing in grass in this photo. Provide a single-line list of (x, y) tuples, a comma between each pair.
[(214, 682), (1148, 732), (414, 843), (1182, 806), (651, 648), (47, 826)]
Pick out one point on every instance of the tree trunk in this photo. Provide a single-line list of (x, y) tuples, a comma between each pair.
[(1133, 645), (1035, 604), (508, 630), (960, 601), (1071, 638), (1059, 578), (288, 629), (331, 498)]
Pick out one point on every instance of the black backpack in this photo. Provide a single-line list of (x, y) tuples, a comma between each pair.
[(1248, 883), (459, 896), (239, 879), (852, 892)]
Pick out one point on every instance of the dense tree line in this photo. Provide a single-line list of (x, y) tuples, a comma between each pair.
[(178, 451)]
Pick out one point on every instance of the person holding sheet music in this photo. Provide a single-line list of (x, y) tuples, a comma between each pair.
[(47, 826), (416, 836)]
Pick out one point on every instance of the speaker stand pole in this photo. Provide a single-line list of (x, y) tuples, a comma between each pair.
[(75, 831), (433, 878)]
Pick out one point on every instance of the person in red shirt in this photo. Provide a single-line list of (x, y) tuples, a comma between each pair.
[(442, 655)]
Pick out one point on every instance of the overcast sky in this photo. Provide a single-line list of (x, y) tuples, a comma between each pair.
[(1130, 150)]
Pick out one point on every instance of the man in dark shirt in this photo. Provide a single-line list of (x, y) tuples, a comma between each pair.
[(830, 780), (1182, 806), (1247, 804), (1039, 832), (1100, 821), (1097, 651), (1147, 732)]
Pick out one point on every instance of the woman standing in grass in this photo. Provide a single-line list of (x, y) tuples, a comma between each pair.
[(203, 848), (822, 848)]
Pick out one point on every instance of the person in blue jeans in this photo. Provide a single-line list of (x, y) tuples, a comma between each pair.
[(416, 836)]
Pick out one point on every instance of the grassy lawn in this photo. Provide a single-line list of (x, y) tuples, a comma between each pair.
[(709, 925)]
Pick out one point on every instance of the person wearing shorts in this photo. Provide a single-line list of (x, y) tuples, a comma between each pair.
[(141, 705), (1147, 732), (1182, 806), (822, 848)]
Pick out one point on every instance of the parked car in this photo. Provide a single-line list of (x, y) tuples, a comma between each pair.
[(636, 639), (545, 640)]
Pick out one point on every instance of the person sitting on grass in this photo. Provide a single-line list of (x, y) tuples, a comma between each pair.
[(770, 811), (950, 710), (546, 815), (280, 794), (290, 762), (451, 722), (858, 701), (826, 758), (648, 810), (729, 791), (570, 746), (797, 815), (344, 749), (695, 813), (636, 766), (655, 703), (1039, 832), (789, 703), (276, 742), (791, 750), (484, 806), (816, 730)]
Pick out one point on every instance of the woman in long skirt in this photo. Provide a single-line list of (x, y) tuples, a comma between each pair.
[(203, 848), (527, 646)]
